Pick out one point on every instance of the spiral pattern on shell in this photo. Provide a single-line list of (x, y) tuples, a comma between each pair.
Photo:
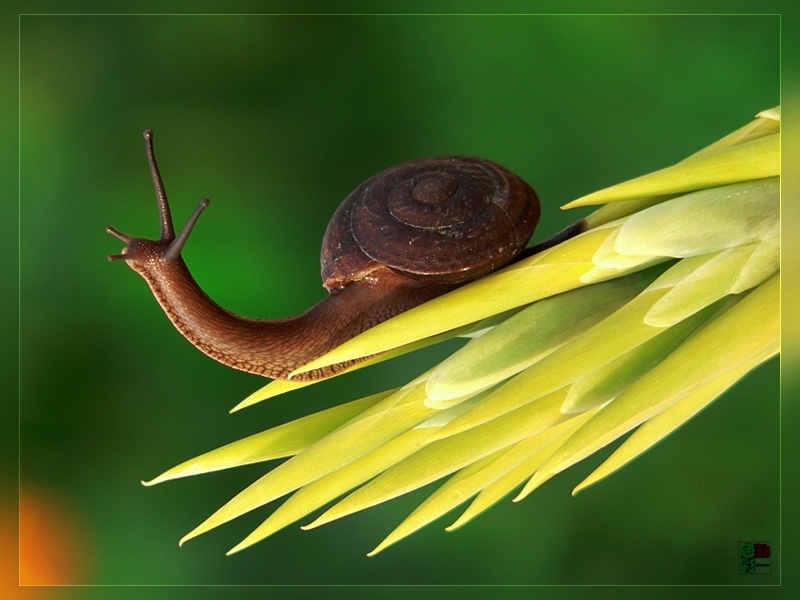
[(447, 218)]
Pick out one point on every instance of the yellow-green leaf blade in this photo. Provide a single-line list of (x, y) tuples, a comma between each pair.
[(755, 159), (547, 442), (475, 477), (612, 337), (603, 384), (376, 425), (747, 329), (767, 122), (704, 221), (657, 428), (281, 386), (528, 336), (339, 480), (715, 276), (321, 491), (446, 497), (281, 441), (443, 457)]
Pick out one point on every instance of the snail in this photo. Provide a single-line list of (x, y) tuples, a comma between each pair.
[(406, 235)]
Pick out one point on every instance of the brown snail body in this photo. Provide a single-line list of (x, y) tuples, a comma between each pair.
[(406, 235)]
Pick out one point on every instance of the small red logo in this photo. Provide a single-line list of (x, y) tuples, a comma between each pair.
[(755, 557)]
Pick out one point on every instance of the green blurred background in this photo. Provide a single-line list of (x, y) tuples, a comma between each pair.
[(276, 119)]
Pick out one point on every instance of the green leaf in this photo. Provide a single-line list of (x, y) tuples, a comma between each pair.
[(281, 386), (767, 122), (338, 481), (321, 491), (448, 496)]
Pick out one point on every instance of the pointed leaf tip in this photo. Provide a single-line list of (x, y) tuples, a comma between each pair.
[(238, 547), (536, 480), (200, 529), (771, 113)]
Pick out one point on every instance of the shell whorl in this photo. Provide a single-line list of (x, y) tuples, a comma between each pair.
[(448, 218)]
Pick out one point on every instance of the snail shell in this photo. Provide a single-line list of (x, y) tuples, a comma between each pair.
[(448, 219)]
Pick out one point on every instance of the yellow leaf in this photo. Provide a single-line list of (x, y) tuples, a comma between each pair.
[(370, 429), (654, 430), (748, 328), (755, 159), (442, 457), (284, 440)]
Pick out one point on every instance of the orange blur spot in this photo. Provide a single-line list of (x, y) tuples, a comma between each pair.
[(52, 543)]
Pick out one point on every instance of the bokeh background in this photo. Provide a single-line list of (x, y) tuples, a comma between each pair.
[(276, 119)]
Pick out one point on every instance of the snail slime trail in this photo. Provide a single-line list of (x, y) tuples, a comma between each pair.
[(406, 235)]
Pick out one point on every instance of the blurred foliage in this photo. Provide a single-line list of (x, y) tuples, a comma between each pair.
[(276, 119)]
